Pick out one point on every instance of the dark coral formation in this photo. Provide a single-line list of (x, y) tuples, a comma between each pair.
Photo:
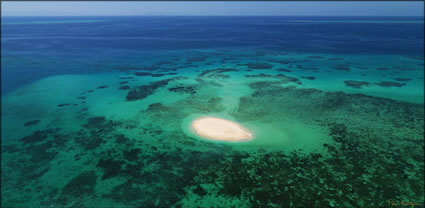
[(259, 66), (164, 63), (403, 79), (144, 74), (99, 122), (102, 87), (342, 67), (310, 78), (31, 123), (216, 73), (91, 141), (156, 107), (95, 122), (124, 88), (37, 136), (96, 132), (355, 84), (81, 185), (335, 59), (111, 168), (285, 61), (62, 105), (157, 75), (403, 68), (262, 75), (132, 155), (199, 191), (32, 160), (284, 70), (183, 89), (143, 91), (390, 84), (315, 57), (170, 70), (307, 68), (196, 59), (383, 69), (360, 84)]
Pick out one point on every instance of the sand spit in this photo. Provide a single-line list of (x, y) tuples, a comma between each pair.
[(220, 129)]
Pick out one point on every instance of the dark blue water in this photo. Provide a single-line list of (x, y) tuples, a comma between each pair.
[(206, 32), (28, 43)]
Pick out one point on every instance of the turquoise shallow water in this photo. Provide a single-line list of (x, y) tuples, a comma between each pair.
[(110, 127)]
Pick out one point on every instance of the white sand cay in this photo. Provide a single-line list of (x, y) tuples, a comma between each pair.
[(220, 129)]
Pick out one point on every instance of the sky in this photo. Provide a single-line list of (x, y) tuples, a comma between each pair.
[(199, 8)]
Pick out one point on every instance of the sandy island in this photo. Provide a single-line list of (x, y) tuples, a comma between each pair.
[(220, 129)]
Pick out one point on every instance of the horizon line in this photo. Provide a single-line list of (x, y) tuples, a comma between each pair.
[(211, 15)]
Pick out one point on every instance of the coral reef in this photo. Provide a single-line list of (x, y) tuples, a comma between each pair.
[(183, 89), (283, 70), (342, 67), (403, 79), (31, 123), (390, 84), (310, 78), (81, 185), (143, 91), (356, 84), (317, 57), (259, 66), (216, 73)]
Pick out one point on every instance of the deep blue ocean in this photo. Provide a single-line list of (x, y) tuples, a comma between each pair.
[(95, 38)]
